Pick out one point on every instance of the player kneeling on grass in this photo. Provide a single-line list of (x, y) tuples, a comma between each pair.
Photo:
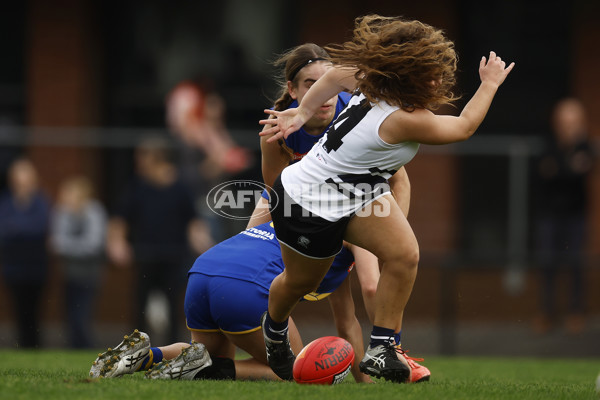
[(227, 293)]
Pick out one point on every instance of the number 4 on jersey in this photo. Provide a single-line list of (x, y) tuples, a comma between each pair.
[(347, 120)]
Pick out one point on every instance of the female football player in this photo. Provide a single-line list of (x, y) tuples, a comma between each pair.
[(402, 69), (227, 292), (302, 67)]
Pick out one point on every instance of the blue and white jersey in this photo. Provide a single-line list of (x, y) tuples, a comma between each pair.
[(350, 165), (254, 255)]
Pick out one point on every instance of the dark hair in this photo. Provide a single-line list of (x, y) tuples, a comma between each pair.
[(397, 60), (293, 61), (159, 147)]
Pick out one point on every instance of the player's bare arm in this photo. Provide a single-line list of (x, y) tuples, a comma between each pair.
[(425, 127), (274, 158), (334, 81)]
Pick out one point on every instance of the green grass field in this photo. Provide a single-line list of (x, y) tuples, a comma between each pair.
[(55, 374)]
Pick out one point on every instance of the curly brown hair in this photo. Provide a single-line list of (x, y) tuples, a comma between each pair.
[(293, 60), (397, 61)]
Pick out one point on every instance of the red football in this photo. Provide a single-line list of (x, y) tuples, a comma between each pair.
[(324, 361)]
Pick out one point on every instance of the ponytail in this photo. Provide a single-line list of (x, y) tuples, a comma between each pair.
[(293, 61)]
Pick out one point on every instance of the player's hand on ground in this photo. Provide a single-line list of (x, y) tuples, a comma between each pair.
[(494, 69), (283, 123)]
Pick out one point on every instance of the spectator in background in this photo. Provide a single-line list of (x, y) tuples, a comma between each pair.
[(78, 231), (196, 115), (561, 223), (24, 220), (8, 154), (209, 155), (152, 228)]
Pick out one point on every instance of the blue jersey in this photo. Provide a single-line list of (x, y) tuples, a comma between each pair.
[(254, 255), (300, 142)]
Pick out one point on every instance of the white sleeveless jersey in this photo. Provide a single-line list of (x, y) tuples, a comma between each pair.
[(348, 168)]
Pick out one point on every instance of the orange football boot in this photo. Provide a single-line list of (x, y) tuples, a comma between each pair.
[(419, 373)]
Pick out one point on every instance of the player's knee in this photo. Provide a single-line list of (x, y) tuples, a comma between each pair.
[(369, 290), (412, 257), (300, 287), (404, 257)]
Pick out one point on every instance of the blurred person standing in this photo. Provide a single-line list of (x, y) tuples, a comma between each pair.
[(208, 153), (24, 224), (153, 227), (560, 232), (196, 115), (78, 232)]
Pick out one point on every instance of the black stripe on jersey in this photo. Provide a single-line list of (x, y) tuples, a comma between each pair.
[(351, 116), (362, 178), (348, 182), (377, 171), (342, 187)]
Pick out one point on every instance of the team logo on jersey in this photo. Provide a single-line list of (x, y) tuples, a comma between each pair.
[(238, 199), (303, 241), (298, 156)]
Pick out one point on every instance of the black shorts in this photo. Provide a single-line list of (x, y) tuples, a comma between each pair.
[(308, 234)]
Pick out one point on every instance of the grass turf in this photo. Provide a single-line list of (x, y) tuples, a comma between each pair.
[(59, 374)]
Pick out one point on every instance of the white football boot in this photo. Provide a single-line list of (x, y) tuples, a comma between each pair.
[(183, 367), (126, 358)]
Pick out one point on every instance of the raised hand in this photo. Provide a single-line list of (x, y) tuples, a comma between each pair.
[(494, 70)]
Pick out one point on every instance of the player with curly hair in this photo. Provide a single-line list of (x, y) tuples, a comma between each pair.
[(301, 67), (400, 70)]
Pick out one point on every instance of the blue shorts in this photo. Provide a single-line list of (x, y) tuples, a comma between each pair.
[(216, 303)]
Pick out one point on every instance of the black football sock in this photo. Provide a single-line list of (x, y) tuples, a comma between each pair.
[(222, 368)]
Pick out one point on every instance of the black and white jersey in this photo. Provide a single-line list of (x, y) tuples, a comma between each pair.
[(349, 167)]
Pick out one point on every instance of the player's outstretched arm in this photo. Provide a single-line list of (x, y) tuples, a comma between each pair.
[(334, 81), (425, 127)]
